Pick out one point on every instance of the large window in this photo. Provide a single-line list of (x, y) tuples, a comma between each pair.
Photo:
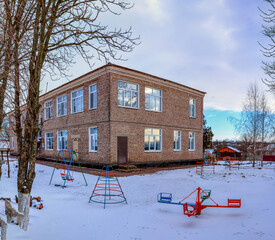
[(62, 106), (93, 139), (62, 140), (152, 139), (48, 110), (177, 140), (49, 141), (192, 107), (93, 96), (191, 141), (128, 94), (153, 99), (77, 101)]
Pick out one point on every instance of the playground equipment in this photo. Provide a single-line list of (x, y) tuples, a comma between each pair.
[(66, 161), (192, 209), (232, 162), (107, 189), (205, 165)]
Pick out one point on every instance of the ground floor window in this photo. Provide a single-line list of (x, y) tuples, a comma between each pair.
[(152, 139), (62, 140), (49, 141), (191, 141), (93, 139), (177, 140)]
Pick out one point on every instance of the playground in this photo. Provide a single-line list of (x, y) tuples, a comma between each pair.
[(68, 213)]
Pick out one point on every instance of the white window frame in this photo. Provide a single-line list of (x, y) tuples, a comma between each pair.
[(82, 107), (51, 110), (190, 139), (155, 97), (12, 142), (58, 148), (90, 93), (192, 106), (152, 135), (179, 138), (90, 135), (46, 141), (65, 104), (124, 90)]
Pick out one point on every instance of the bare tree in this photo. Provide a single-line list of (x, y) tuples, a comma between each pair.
[(256, 122), (45, 37), (268, 51)]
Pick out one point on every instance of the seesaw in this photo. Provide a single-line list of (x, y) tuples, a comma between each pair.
[(192, 209)]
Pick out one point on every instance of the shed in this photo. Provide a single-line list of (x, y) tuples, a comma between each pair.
[(227, 152)]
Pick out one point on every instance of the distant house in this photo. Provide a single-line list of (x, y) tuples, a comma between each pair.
[(227, 152)]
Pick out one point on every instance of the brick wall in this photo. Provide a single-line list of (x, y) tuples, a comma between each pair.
[(113, 121)]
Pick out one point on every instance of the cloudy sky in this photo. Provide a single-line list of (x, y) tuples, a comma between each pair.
[(211, 45)]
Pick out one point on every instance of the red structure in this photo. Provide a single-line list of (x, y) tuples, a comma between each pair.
[(192, 209), (205, 165), (269, 158), (227, 152)]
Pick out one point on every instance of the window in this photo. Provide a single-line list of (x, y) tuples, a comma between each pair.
[(153, 99), (62, 106), (192, 107), (62, 140), (152, 139), (93, 96), (48, 110), (49, 141), (12, 142), (77, 101), (128, 94), (191, 141), (177, 140), (93, 139)]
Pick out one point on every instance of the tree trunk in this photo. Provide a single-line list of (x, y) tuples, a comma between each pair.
[(24, 207), (8, 162)]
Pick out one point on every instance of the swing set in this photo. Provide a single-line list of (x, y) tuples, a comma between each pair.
[(192, 209), (65, 160)]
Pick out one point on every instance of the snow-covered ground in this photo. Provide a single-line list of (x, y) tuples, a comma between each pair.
[(68, 215)]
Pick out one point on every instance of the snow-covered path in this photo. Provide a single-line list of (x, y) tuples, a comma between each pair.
[(68, 215)]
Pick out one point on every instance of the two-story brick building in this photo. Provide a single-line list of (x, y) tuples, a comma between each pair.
[(118, 115)]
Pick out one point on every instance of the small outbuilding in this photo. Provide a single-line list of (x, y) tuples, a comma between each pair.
[(227, 152)]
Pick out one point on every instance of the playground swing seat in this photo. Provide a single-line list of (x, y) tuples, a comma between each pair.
[(65, 167)]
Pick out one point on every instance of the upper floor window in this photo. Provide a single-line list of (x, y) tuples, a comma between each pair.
[(93, 139), (77, 101), (48, 110), (93, 96), (128, 94), (177, 140), (191, 141), (153, 99), (62, 106), (62, 140), (192, 107), (49, 141), (152, 139)]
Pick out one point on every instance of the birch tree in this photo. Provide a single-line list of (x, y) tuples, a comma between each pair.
[(268, 50), (257, 121)]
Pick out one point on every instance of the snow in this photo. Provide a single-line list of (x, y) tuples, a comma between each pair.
[(68, 215)]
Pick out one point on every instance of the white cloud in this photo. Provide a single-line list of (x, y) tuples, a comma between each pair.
[(154, 9)]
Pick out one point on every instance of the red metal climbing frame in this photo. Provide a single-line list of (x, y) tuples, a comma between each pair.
[(192, 209), (205, 165)]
